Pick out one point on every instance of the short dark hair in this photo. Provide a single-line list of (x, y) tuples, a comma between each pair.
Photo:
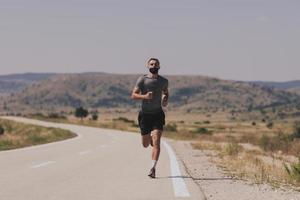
[(155, 59)]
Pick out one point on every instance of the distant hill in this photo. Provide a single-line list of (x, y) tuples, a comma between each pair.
[(98, 90), (17, 82), (291, 86), (281, 85), (295, 90)]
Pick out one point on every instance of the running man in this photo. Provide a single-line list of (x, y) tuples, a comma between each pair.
[(152, 89)]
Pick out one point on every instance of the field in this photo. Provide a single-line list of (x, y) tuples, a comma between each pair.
[(256, 147)]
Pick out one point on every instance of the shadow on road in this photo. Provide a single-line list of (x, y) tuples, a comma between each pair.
[(199, 179)]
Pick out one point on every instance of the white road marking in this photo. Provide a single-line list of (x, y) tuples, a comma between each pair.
[(179, 185), (85, 152), (42, 164)]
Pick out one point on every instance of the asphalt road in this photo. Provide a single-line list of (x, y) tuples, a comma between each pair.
[(97, 164)]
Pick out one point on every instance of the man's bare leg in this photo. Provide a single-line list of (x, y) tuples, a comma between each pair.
[(155, 138), (146, 140), (156, 135)]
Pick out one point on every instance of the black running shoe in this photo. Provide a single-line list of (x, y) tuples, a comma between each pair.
[(152, 173)]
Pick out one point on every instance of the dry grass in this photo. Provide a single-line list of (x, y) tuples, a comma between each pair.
[(249, 164), (213, 127)]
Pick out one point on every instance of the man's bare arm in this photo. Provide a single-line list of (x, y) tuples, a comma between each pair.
[(136, 94), (165, 99)]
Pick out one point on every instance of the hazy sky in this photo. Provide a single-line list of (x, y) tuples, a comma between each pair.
[(229, 39)]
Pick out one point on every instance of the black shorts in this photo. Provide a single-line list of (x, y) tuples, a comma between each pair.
[(150, 121)]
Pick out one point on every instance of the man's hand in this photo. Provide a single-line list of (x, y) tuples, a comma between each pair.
[(148, 96), (164, 100)]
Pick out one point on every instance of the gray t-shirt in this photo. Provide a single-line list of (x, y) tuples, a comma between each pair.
[(154, 85)]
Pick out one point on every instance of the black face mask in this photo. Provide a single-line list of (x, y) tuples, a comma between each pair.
[(154, 70)]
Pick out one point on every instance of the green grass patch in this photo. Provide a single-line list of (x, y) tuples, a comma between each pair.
[(17, 135), (6, 144), (293, 171)]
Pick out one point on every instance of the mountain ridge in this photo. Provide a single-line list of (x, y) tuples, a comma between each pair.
[(103, 90)]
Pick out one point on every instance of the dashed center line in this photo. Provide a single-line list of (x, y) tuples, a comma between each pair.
[(42, 164), (85, 152)]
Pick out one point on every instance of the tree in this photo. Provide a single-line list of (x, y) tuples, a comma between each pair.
[(81, 113)]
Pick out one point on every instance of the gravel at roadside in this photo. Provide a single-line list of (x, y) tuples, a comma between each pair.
[(216, 185)]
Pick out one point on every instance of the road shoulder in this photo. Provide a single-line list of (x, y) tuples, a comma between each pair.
[(216, 185)]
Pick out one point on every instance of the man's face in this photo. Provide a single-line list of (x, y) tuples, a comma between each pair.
[(153, 63)]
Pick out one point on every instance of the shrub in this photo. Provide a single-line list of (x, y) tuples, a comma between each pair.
[(279, 142), (264, 142), (53, 115), (39, 115), (232, 149), (56, 116), (171, 127), (270, 125), (124, 119), (202, 130), (1, 130), (135, 125), (94, 117), (294, 170), (253, 123), (296, 133), (282, 142), (206, 122)]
